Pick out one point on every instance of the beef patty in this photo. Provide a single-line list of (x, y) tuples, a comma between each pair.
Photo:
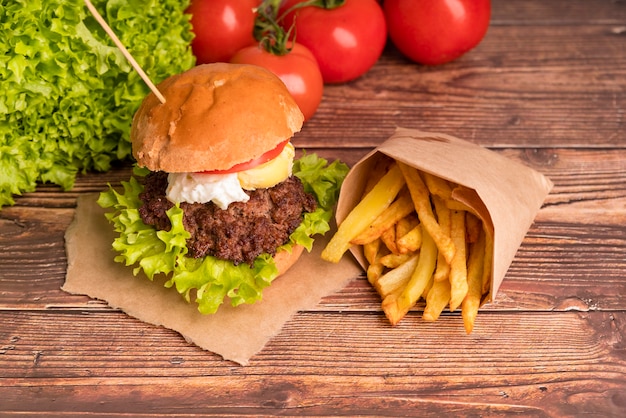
[(239, 233)]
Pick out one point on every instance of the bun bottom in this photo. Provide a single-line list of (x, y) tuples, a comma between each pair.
[(285, 259)]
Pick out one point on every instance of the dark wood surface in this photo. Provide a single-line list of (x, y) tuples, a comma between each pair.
[(547, 87)]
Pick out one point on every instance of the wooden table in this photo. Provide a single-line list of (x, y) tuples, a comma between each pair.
[(546, 87)]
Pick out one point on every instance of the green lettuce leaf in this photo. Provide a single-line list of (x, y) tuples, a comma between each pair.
[(209, 281), (67, 94)]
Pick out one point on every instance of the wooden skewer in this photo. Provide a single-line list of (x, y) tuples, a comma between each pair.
[(125, 52)]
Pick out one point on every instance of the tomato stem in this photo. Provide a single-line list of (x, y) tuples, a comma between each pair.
[(324, 4), (267, 29)]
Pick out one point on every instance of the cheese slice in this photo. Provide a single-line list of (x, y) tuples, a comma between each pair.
[(270, 173)]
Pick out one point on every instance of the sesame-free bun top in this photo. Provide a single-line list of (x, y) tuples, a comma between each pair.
[(214, 116)]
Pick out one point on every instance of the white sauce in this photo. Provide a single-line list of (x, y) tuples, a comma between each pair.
[(221, 189)]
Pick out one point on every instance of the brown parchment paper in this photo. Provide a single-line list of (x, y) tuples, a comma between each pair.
[(505, 193), (234, 333)]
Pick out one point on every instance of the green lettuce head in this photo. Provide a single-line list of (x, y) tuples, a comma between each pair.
[(67, 94)]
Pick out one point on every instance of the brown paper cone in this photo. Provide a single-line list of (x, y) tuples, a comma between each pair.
[(505, 193)]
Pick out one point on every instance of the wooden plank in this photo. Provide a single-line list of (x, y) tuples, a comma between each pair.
[(558, 267), (521, 87), (295, 395), (545, 87), (548, 364), (557, 12)]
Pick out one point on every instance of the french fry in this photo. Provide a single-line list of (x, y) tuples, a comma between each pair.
[(394, 260), (488, 262), (404, 225), (399, 209), (368, 209), (437, 186), (373, 253), (427, 288), (371, 250), (388, 237), (444, 216), (422, 238), (396, 278), (389, 306), (418, 281), (374, 272), (474, 226), (381, 166), (421, 200), (437, 299), (475, 263), (458, 267), (411, 241), (456, 205)]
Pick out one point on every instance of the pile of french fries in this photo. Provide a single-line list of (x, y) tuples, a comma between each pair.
[(419, 242)]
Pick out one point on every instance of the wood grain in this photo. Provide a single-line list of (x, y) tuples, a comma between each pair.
[(304, 369), (546, 87), (549, 86)]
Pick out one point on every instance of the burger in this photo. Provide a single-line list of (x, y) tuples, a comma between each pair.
[(218, 206)]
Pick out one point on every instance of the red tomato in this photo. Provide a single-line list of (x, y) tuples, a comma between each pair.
[(346, 40), (434, 32), (221, 28), (297, 69), (268, 156)]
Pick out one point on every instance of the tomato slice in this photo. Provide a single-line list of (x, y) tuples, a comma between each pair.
[(269, 155)]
